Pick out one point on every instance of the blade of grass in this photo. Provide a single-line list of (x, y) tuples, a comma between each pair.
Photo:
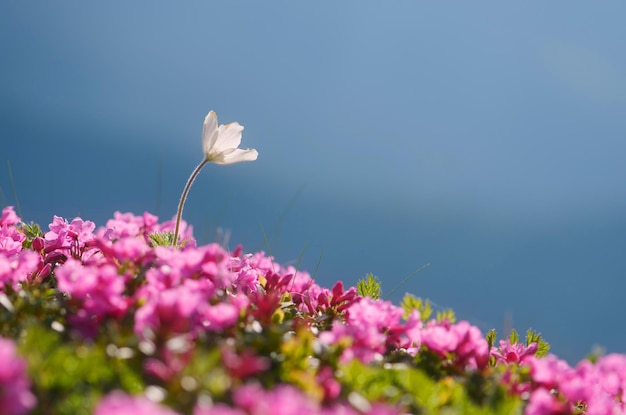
[(423, 267), (267, 245), (293, 281), (317, 267)]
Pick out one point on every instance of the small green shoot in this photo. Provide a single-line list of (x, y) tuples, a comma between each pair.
[(491, 337), (32, 231), (410, 303), (162, 239), (446, 315), (534, 337), (369, 287)]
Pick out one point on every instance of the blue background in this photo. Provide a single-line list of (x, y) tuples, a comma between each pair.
[(484, 138)]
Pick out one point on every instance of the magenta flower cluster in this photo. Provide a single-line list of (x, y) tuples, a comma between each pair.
[(175, 296)]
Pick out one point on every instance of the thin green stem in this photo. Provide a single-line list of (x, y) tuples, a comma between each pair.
[(183, 197), (423, 267)]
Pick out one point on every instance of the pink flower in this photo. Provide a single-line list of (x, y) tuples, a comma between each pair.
[(373, 327), (15, 395), (125, 225), (218, 409), (283, 399), (243, 364), (18, 268), (542, 402), (9, 217), (513, 353), (11, 239), (547, 371), (74, 240), (170, 311), (462, 339), (472, 350), (119, 403), (439, 338), (97, 291)]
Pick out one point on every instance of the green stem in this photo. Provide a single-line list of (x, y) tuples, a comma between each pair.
[(183, 197)]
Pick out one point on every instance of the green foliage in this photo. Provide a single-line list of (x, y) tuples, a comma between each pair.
[(31, 230), (32, 303), (161, 239), (419, 393), (514, 337), (446, 315), (491, 338), (411, 302), (70, 376), (369, 287), (534, 337)]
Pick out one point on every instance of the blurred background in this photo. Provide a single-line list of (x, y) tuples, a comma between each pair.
[(485, 139)]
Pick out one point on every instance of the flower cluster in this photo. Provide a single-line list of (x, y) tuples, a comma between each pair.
[(162, 329)]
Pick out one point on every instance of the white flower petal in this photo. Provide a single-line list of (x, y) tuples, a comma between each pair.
[(235, 155), (210, 132), (221, 144), (229, 136)]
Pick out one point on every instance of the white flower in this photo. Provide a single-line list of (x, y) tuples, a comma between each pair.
[(221, 144)]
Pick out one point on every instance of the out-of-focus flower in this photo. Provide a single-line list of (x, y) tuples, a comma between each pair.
[(9, 217), (119, 403), (15, 396), (221, 144), (462, 339)]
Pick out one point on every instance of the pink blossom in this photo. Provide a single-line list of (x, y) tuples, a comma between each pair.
[(97, 291), (15, 395), (208, 262), (372, 326), (171, 310), (119, 403), (126, 250), (191, 306), (125, 225), (18, 268), (283, 399), (542, 402), (472, 350), (439, 338), (74, 240), (612, 370), (218, 409), (513, 353), (462, 339), (548, 371), (243, 364), (216, 317), (11, 239), (9, 217)]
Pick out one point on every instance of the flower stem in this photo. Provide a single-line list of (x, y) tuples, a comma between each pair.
[(183, 197)]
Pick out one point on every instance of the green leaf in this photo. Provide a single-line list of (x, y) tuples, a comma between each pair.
[(369, 287), (491, 337), (534, 337), (410, 303), (514, 337), (447, 315), (162, 239), (31, 230)]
